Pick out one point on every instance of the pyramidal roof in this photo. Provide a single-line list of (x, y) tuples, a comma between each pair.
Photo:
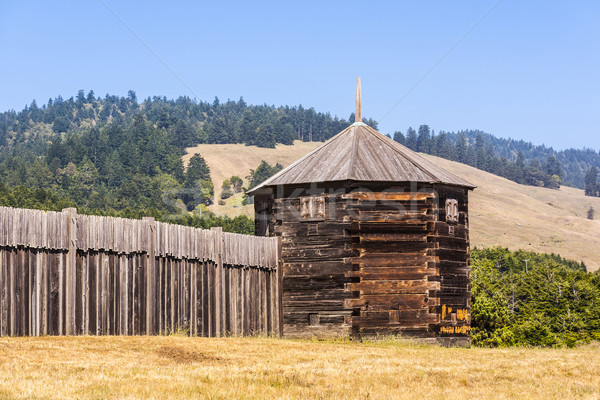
[(362, 154)]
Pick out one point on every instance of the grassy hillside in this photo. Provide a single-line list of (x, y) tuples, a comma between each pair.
[(503, 212), (257, 368)]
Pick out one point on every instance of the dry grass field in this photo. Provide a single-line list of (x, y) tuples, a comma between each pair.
[(176, 367), (502, 212)]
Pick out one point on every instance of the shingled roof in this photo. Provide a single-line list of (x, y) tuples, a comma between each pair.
[(362, 154)]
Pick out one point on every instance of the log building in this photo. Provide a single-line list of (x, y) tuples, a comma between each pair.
[(375, 240)]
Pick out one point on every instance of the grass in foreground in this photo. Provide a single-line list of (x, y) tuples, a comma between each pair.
[(180, 367)]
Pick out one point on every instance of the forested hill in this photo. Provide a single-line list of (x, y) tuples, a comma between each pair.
[(188, 122), (123, 137), (574, 162), (118, 156)]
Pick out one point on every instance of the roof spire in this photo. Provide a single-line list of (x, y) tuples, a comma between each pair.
[(358, 112)]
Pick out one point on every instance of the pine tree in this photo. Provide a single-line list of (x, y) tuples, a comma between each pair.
[(424, 139), (399, 137), (461, 148), (480, 153), (591, 182), (553, 166), (411, 139), (197, 170)]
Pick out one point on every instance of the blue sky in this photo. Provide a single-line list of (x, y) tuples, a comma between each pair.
[(527, 70)]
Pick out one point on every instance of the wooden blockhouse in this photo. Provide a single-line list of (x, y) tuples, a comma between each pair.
[(375, 240)]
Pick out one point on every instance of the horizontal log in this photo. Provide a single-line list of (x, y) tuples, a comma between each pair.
[(420, 259), (392, 247), (325, 268), (390, 237), (393, 302), (379, 273), (394, 287), (402, 196)]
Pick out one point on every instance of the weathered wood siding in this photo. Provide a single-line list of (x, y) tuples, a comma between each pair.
[(67, 274), (317, 249), (453, 265), (374, 260), (395, 269)]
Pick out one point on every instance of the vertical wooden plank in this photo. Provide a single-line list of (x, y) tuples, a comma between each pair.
[(227, 298), (192, 300), (3, 292), (44, 292), (32, 285), (92, 299), (204, 299), (22, 290), (208, 299), (246, 303), (186, 294), (70, 214), (79, 298), (104, 294), (133, 297), (238, 300), (142, 289), (160, 295), (218, 281), (149, 226), (55, 289), (123, 288), (279, 287), (112, 293), (168, 296), (268, 303)]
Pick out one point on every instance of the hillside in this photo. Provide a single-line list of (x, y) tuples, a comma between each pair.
[(502, 212)]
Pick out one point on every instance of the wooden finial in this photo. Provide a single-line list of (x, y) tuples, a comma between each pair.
[(358, 112)]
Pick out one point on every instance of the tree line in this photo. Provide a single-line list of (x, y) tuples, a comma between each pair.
[(481, 154), (120, 155)]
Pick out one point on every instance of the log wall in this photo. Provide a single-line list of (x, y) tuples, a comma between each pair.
[(376, 260), (452, 252), (317, 249), (395, 272), (66, 274)]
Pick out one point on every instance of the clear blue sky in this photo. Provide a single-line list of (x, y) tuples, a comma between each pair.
[(528, 70)]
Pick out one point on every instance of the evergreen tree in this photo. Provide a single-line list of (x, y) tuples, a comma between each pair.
[(461, 148), (197, 170), (411, 139), (480, 153), (399, 137), (591, 182), (553, 167), (424, 139), (520, 161), (262, 173)]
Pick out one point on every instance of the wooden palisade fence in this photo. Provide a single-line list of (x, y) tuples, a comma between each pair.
[(67, 274)]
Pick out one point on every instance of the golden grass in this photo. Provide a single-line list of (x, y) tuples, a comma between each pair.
[(502, 212), (187, 368)]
